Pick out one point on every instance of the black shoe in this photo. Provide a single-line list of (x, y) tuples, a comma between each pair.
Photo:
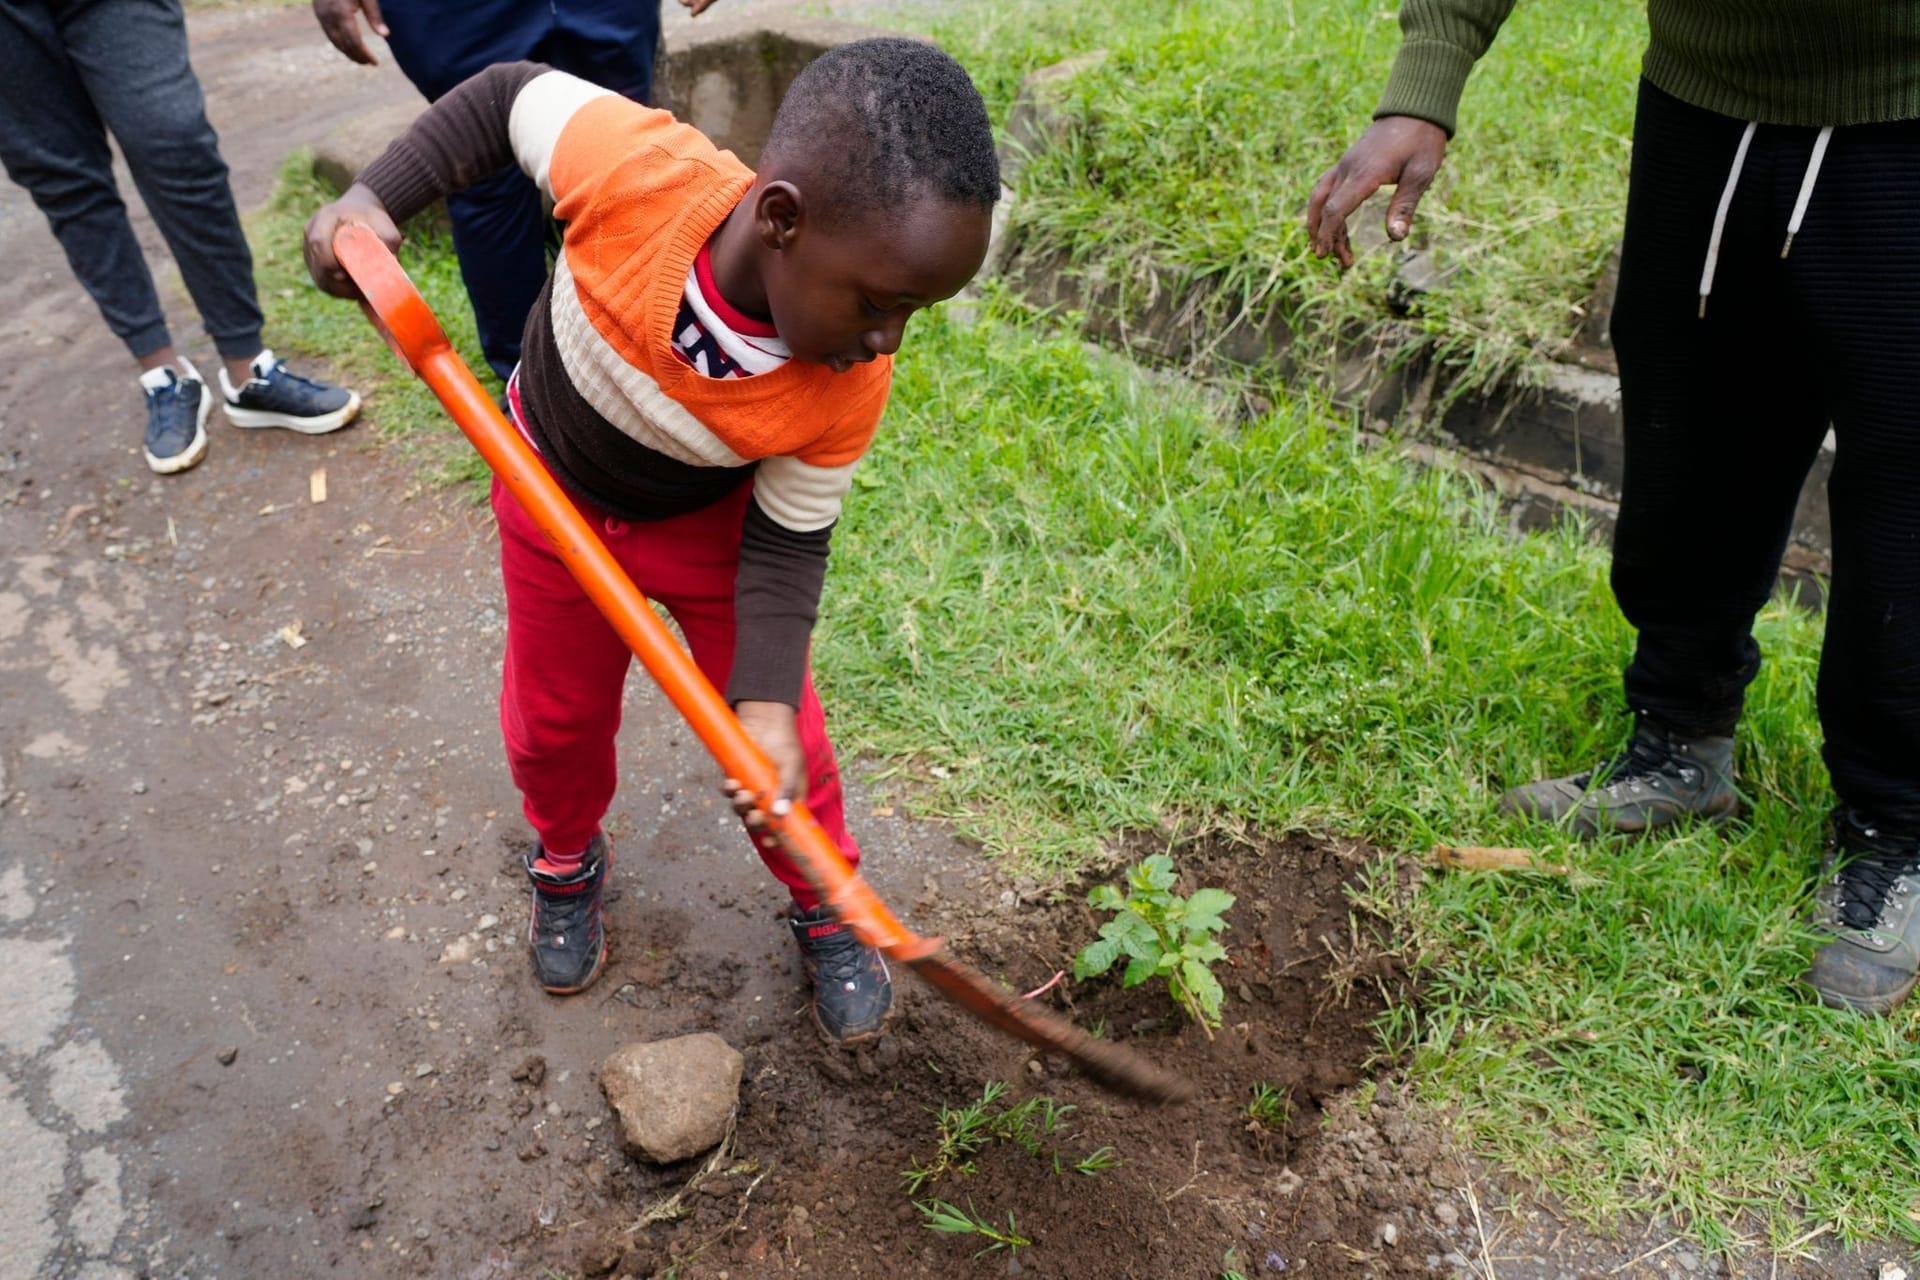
[(1868, 906), (176, 420), (276, 396), (1660, 779), (569, 947), (851, 990)]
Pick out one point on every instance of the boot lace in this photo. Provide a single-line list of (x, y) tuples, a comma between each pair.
[(1648, 755), (1867, 876)]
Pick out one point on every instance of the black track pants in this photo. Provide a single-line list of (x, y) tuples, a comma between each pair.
[(1724, 415)]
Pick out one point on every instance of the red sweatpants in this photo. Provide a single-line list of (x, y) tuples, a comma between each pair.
[(566, 667)]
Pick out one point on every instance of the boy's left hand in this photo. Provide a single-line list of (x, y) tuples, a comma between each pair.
[(774, 728)]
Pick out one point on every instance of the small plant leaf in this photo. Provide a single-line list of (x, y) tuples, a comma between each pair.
[(1139, 969), (1106, 898), (1205, 988), (1205, 908), (1097, 957), (1155, 873)]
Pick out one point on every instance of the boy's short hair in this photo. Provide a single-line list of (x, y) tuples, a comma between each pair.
[(881, 122)]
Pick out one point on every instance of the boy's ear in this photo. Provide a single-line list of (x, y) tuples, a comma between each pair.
[(779, 214)]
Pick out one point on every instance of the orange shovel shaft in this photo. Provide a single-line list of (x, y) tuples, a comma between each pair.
[(399, 312)]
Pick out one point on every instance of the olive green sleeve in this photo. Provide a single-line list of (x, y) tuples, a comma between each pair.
[(1440, 42)]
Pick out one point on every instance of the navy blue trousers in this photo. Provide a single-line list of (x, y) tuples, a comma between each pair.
[(70, 72), (1724, 415), (499, 228)]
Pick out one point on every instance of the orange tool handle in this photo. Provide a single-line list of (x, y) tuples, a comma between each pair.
[(403, 318)]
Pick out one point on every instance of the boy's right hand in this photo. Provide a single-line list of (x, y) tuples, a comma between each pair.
[(1402, 151), (774, 728), (338, 18), (358, 205)]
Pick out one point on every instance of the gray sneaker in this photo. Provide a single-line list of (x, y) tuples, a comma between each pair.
[(1660, 779), (1868, 905)]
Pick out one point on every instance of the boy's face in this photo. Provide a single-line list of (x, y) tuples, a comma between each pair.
[(842, 295)]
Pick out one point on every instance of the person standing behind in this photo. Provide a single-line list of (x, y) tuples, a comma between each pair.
[(70, 72), (499, 227), (1767, 290)]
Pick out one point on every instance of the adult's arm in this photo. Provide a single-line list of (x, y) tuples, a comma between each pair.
[(1403, 148)]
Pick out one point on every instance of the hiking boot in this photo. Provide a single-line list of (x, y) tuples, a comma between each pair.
[(177, 410), (851, 990), (1660, 779), (1868, 905), (276, 396), (569, 947)]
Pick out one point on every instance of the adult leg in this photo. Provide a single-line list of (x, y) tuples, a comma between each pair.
[(499, 226), (1854, 270), (132, 57), (54, 143), (610, 42), (1722, 413)]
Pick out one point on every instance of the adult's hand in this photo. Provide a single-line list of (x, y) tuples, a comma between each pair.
[(695, 8), (359, 205), (1402, 151), (340, 20)]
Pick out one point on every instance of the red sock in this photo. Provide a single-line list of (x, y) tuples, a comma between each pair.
[(561, 864)]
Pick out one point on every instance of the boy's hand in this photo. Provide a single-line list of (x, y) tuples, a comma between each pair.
[(1402, 151), (358, 205), (695, 8), (773, 727), (338, 20)]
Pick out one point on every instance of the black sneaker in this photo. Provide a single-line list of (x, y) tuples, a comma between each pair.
[(569, 947), (1660, 779), (1868, 906), (276, 396), (852, 993), (176, 420)]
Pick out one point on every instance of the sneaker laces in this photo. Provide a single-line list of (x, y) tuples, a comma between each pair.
[(563, 913), (839, 956)]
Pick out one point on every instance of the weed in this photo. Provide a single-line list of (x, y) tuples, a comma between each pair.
[(967, 1131), (1163, 935), (941, 1216), (1097, 1161), (1271, 1108)]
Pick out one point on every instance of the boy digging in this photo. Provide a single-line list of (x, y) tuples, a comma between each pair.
[(705, 367)]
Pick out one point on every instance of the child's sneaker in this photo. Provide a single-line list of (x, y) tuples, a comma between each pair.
[(569, 947), (852, 993), (276, 396), (176, 420)]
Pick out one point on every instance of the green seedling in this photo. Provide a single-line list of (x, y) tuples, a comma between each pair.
[(966, 1131), (1163, 935), (941, 1216), (1097, 1161), (1271, 1108)]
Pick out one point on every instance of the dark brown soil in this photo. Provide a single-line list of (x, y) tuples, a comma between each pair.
[(825, 1137)]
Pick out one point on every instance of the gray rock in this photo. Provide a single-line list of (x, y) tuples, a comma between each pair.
[(672, 1097)]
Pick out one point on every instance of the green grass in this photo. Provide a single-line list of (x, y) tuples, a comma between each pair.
[(1067, 602), (1194, 145)]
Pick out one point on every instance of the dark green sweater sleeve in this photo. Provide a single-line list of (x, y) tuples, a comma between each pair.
[(1440, 42)]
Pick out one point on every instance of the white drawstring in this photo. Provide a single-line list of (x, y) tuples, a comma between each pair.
[(1806, 187), (1720, 217)]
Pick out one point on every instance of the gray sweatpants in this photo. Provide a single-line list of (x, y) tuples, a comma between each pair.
[(70, 71)]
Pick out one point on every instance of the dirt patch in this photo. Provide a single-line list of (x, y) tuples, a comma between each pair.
[(815, 1183)]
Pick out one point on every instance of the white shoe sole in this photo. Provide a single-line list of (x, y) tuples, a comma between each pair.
[(316, 426), (189, 457)]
